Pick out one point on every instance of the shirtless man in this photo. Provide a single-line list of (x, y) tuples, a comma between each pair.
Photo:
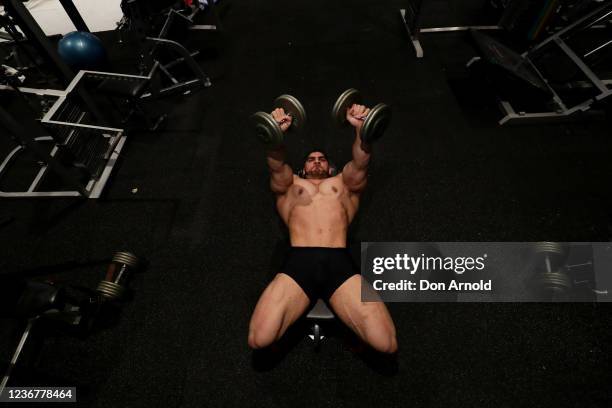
[(318, 209)]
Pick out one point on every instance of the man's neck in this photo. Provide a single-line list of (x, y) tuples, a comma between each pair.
[(316, 181)]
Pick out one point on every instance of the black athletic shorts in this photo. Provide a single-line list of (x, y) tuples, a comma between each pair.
[(319, 271)]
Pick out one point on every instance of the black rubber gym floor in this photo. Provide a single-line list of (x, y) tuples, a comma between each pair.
[(194, 201)]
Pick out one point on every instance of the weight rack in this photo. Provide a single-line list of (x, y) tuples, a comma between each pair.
[(92, 149), (560, 41)]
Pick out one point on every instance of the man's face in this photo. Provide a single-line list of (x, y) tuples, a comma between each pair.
[(316, 166)]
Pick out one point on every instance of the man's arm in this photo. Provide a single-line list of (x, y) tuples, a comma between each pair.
[(281, 175), (355, 172)]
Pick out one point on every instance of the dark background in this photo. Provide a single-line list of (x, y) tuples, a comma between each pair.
[(204, 219)]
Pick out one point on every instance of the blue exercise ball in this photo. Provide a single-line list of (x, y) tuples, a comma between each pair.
[(82, 50)]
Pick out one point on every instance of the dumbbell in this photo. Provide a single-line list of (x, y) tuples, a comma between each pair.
[(114, 285), (268, 130), (551, 270), (374, 124)]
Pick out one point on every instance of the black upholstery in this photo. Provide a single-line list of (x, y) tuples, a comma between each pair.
[(132, 88), (37, 298)]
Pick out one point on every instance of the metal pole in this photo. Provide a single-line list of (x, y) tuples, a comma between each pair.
[(24, 337), (17, 10), (27, 141), (74, 15)]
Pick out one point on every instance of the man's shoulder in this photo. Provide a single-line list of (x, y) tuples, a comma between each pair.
[(338, 178)]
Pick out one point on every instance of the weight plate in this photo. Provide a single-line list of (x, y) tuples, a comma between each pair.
[(111, 290), (558, 252), (293, 108), (376, 123), (126, 258), (550, 247), (345, 101), (558, 281), (266, 128)]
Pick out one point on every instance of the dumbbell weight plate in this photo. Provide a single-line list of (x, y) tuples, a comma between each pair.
[(557, 252), (293, 108), (345, 101), (557, 281), (266, 128), (559, 248), (127, 258), (376, 123), (111, 290)]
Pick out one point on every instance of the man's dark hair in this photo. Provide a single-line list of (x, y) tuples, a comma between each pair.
[(311, 151)]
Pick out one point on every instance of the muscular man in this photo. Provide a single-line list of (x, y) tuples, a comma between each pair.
[(318, 208)]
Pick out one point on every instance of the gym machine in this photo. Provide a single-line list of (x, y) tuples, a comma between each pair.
[(84, 143), (19, 56), (526, 21), (71, 309), (83, 152), (21, 17), (411, 18), (559, 70), (161, 50)]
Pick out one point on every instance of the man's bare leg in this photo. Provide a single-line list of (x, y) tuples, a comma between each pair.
[(371, 321), (279, 306)]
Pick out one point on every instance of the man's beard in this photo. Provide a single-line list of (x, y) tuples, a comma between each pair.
[(316, 173)]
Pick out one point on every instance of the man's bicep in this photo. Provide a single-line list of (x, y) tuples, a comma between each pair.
[(355, 179), (280, 181)]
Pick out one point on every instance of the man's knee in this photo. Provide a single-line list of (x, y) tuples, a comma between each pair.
[(261, 335), (255, 341), (258, 340), (382, 339), (384, 343), (391, 346)]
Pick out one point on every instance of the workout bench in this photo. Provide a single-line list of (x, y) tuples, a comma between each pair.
[(318, 314)]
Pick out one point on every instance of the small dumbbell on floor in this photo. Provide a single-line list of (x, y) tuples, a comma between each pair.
[(269, 131), (115, 284), (551, 267), (374, 124)]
